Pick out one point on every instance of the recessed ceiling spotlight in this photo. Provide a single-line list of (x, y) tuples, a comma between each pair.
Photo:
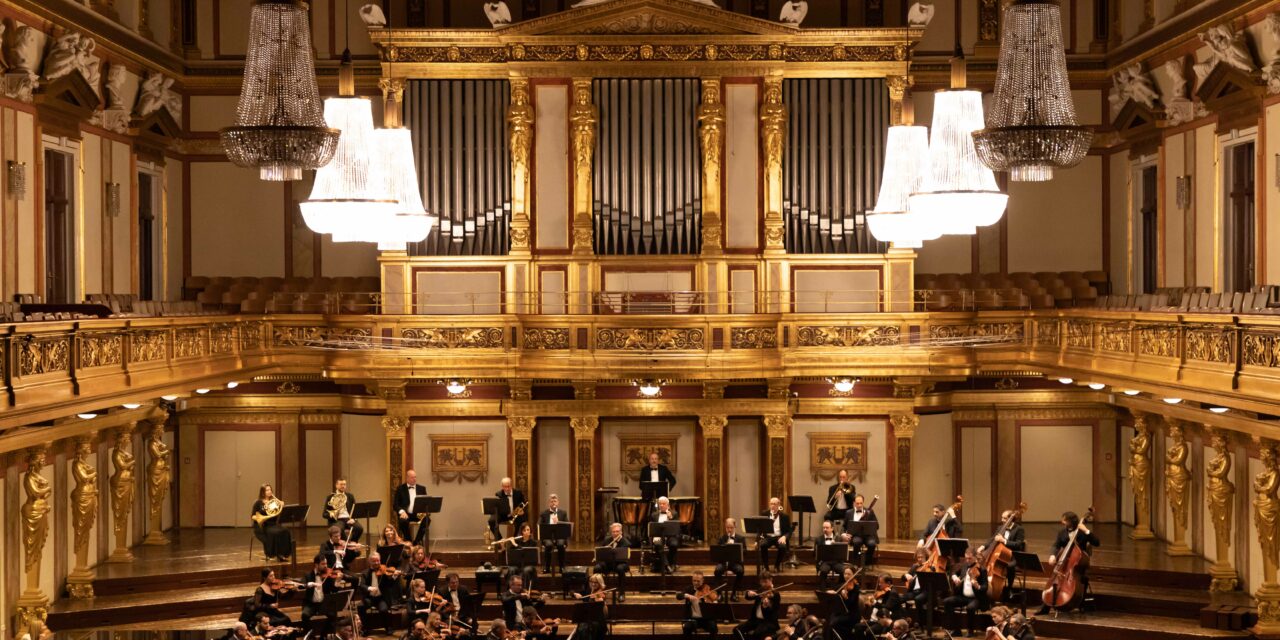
[(202, 391), (1131, 392), (1172, 400), (169, 397), (86, 416), (1219, 409), (232, 385), (1097, 386), (1065, 380), (131, 405)]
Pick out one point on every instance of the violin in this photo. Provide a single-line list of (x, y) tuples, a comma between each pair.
[(936, 562), (883, 589), (281, 586), (388, 571), (706, 593)]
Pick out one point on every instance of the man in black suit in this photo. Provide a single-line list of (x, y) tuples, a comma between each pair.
[(1014, 537), (829, 537), (403, 504), (839, 497), (553, 515), (509, 500), (664, 547), (693, 618), (731, 536), (338, 507), (460, 598), (777, 537), (969, 589), (860, 513), (763, 621), (614, 539), (316, 588), (657, 472), (515, 600), (952, 527), (338, 551)]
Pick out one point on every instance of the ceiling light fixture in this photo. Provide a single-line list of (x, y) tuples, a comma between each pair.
[(905, 162), (1065, 380), (86, 416), (232, 385), (649, 388), (131, 405), (1097, 386), (844, 385), (169, 398), (455, 386), (1131, 392), (1219, 409), (1172, 400), (202, 391)]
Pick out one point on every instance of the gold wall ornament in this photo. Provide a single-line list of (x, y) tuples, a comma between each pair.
[(584, 478), (1048, 333), (459, 458), (122, 484), (1266, 518), (1221, 502), (546, 339), (711, 124), (898, 87), (285, 336), (98, 349), (251, 336), (392, 101), (1210, 344), (830, 452), (1177, 488), (848, 336), (288, 387), (649, 339), (190, 343), (1116, 337), (520, 122), (904, 430), (455, 338), (37, 356), (1158, 340), (159, 474), (773, 132), (84, 513), (222, 338), (1260, 349), (753, 338), (1080, 334), (520, 430), (634, 450), (1140, 476), (35, 515), (583, 118), (713, 427), (148, 345), (777, 446)]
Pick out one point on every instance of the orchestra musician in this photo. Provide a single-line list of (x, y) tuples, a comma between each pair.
[(693, 596), (731, 536), (402, 504), (498, 630), (969, 584), (337, 510), (535, 627), (900, 629), (391, 537), (798, 623), (239, 632), (953, 528), (421, 601), (777, 537), (1085, 539), (318, 583), (658, 472), (916, 593), (340, 552), (1015, 537), (525, 541), (999, 621), (511, 506), (593, 630), (381, 585), (553, 515), (664, 548), (459, 598), (421, 562), (277, 542), (839, 497), (763, 620), (266, 629), (858, 544), (417, 630), (1019, 628), (516, 600), (828, 537), (266, 599), (886, 602), (843, 621), (615, 540)]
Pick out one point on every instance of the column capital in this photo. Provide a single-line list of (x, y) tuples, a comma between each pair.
[(713, 389), (521, 427), (779, 388), (584, 427), (713, 425), (584, 390), (904, 424), (395, 425), (778, 426), (520, 389)]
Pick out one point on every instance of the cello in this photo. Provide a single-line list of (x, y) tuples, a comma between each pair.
[(936, 562), (999, 557), (1063, 587)]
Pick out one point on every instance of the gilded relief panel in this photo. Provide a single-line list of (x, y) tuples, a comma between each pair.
[(546, 339), (855, 336), (44, 355), (147, 346), (1158, 340), (649, 339), (1116, 337), (1210, 344), (454, 338), (753, 338), (190, 343), (1080, 334), (101, 349)]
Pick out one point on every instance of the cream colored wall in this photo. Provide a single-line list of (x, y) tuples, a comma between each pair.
[(874, 480), (932, 467), (1203, 192), (1052, 452), (1057, 225), (321, 474), (555, 447), (1118, 165), (976, 473), (1126, 487), (235, 464), (741, 161), (458, 292), (348, 258), (742, 449), (551, 201), (1268, 191), (461, 514), (686, 464), (363, 459), (1175, 219), (94, 205), (836, 291), (174, 227), (235, 231), (122, 226)]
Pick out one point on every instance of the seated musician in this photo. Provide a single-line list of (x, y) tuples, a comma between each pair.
[(525, 540), (1084, 540), (535, 627), (277, 542), (402, 504), (459, 630), (1014, 537), (777, 537), (337, 510), (658, 472), (266, 599), (417, 630), (318, 583), (1019, 628), (511, 505), (615, 540), (391, 537), (594, 630), (839, 497), (421, 562), (901, 629), (515, 600), (341, 551), (731, 536), (380, 586), (953, 528), (421, 601), (553, 515), (267, 629), (999, 622), (762, 622), (664, 547), (842, 621), (497, 630), (458, 599), (857, 544), (828, 537), (693, 596), (969, 588), (886, 602), (798, 622), (915, 592)]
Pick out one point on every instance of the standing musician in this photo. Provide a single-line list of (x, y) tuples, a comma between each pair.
[(319, 582), (829, 536), (459, 598), (777, 537), (1014, 537), (277, 542), (735, 569), (657, 472), (615, 540), (969, 582), (338, 507), (524, 540), (1084, 539), (343, 552), (693, 596), (402, 504), (553, 515), (953, 528), (516, 600), (763, 621), (511, 506), (839, 497), (664, 548), (860, 513), (843, 622)]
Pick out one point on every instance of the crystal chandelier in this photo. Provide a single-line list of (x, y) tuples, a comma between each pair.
[(407, 221), (1032, 128), (958, 193), (906, 151), (279, 129)]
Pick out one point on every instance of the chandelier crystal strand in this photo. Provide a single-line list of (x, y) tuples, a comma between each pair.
[(279, 128), (1032, 128), (905, 162)]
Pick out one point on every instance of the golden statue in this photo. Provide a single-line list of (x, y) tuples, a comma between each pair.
[(158, 476), (1266, 509), (122, 491), (583, 117), (773, 124), (35, 512), (84, 497), (1140, 476), (711, 125), (1221, 496), (1177, 481), (520, 121)]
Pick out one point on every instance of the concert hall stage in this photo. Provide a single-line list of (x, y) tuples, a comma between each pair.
[(201, 579)]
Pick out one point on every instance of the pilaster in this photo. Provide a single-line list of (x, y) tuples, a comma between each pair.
[(584, 476), (520, 123), (711, 123), (1177, 488), (712, 469), (159, 475), (777, 448), (1220, 494), (84, 512), (773, 135), (583, 118), (904, 432), (520, 431), (395, 427), (34, 520)]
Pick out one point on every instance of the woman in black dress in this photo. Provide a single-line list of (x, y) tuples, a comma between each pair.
[(527, 572), (277, 542), (266, 599)]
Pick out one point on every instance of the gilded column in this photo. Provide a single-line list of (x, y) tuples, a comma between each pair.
[(84, 512), (33, 603), (584, 476), (583, 117), (394, 427), (1221, 497), (122, 486), (1140, 476), (520, 119), (898, 95), (520, 429), (711, 133), (773, 133), (988, 43), (1266, 517), (778, 436), (158, 476), (392, 102), (904, 432), (1177, 488), (713, 456)]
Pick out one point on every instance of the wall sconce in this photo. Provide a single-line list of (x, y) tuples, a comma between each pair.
[(1183, 192), (113, 199), (16, 179)]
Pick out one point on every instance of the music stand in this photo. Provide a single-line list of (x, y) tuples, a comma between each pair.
[(588, 613), (802, 506), (865, 529), (390, 555), (430, 578), (293, 514), (933, 583), (832, 553), (759, 525), (1026, 562), (424, 506), (366, 511), (834, 604), (718, 612), (651, 491), (334, 605), (664, 530), (522, 557), (952, 548), (557, 531), (610, 557)]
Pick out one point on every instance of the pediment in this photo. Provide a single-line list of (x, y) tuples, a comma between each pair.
[(72, 90), (1135, 117), (646, 17), (159, 123), (1226, 87)]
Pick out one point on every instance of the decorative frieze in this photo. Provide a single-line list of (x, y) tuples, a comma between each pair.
[(1210, 344), (454, 338), (650, 339), (1115, 337), (1158, 340), (99, 349), (148, 345), (43, 355), (850, 336), (546, 339), (753, 338)]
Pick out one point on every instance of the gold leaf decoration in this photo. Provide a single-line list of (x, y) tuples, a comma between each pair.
[(649, 339)]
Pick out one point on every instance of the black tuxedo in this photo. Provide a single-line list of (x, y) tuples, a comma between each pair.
[(735, 568), (504, 513), (401, 503), (310, 604), (666, 547), (953, 528), (463, 603), (549, 545), (646, 475), (330, 552), (346, 524), (692, 623), (856, 543), (971, 603), (619, 569), (509, 607), (763, 620), (826, 568), (1015, 537), (775, 540), (834, 512)]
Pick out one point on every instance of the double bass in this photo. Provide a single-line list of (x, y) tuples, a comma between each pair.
[(999, 557), (936, 562), (1063, 588)]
